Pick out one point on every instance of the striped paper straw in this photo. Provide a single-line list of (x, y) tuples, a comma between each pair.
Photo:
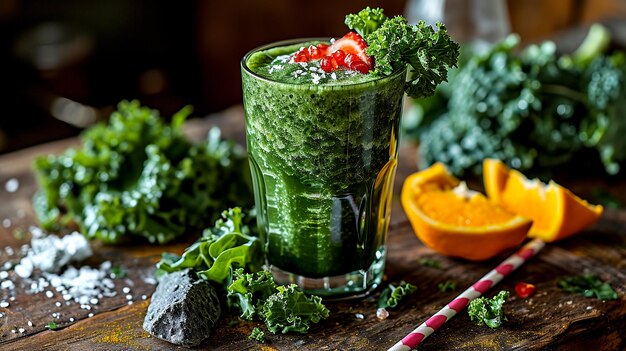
[(460, 302)]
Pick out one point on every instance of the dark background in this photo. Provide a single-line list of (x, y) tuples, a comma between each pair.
[(65, 64)]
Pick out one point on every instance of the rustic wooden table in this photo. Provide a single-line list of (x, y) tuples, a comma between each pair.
[(549, 320)]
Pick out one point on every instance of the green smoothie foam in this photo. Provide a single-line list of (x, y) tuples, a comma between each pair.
[(323, 151)]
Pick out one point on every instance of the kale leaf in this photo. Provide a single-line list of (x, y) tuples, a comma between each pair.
[(429, 53), (488, 311), (222, 249), (366, 21), (137, 175), (282, 308), (248, 291), (447, 286), (257, 334), (291, 310), (393, 294), (588, 286)]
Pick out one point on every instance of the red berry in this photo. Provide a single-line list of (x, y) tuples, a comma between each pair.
[(301, 56), (328, 64), (339, 56), (354, 63), (352, 43), (524, 290), (323, 48), (314, 53)]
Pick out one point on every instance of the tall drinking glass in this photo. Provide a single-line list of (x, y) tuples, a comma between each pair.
[(323, 158)]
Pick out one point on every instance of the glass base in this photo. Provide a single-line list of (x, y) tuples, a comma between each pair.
[(347, 286)]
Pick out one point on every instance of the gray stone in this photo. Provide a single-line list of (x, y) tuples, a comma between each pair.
[(183, 309)]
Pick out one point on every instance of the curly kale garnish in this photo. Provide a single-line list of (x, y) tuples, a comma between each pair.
[(257, 334), (393, 294), (282, 308), (366, 21), (291, 310), (429, 53), (248, 292), (138, 175), (225, 247), (488, 311)]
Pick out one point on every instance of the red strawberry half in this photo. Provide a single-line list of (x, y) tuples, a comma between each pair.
[(352, 43)]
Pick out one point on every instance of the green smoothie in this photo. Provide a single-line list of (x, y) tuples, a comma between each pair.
[(323, 152)]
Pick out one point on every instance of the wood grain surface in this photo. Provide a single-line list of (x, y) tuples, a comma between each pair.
[(550, 320)]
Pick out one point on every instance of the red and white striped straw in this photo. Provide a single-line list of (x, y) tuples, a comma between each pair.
[(460, 302)]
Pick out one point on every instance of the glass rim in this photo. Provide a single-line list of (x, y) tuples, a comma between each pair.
[(287, 42)]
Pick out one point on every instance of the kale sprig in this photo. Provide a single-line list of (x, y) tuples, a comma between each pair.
[(283, 308), (488, 311), (429, 53), (393, 294), (394, 45)]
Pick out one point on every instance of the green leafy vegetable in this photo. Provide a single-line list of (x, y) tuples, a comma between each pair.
[(532, 109), (227, 246), (488, 311), (393, 294), (447, 286), (290, 310), (137, 175), (366, 21), (248, 292), (429, 53), (257, 334), (428, 262), (118, 272), (282, 308), (52, 325), (588, 286)]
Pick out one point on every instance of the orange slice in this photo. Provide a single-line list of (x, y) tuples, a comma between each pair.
[(458, 222), (556, 212)]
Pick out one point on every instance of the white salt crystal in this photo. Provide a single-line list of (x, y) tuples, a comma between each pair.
[(6, 222), (12, 185), (4, 304)]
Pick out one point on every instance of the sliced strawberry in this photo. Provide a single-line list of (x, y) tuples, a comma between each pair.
[(352, 43)]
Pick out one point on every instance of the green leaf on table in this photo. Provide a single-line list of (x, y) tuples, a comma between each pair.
[(588, 286), (248, 291), (229, 245), (291, 310), (52, 325), (488, 312), (257, 334), (393, 294), (447, 286), (429, 262)]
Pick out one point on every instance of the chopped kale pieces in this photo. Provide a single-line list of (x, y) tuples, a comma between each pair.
[(393, 294), (257, 334), (428, 262), (52, 325), (588, 286), (447, 286)]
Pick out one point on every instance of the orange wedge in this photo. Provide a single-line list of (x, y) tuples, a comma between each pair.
[(556, 212), (458, 222)]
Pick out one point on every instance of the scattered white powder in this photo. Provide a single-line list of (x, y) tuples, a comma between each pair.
[(50, 253), (12, 185)]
